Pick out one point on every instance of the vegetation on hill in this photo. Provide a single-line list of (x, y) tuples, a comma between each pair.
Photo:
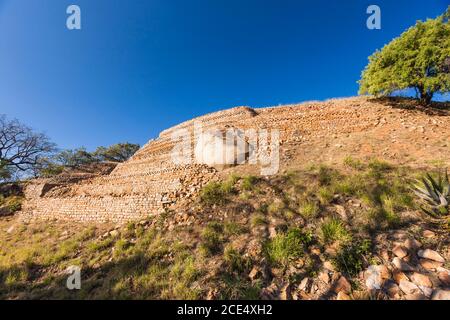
[(245, 237), (419, 58)]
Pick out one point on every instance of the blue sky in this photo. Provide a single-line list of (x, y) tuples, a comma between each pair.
[(138, 67)]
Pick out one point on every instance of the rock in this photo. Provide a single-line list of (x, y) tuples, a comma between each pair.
[(428, 234), (315, 250), (401, 265), (342, 296), (430, 264), (415, 296), (400, 251), (285, 292), (441, 295), (421, 280), (328, 265), (255, 273), (324, 276), (272, 232), (341, 211), (342, 284), (391, 289), (431, 255), (305, 284), (114, 233), (412, 244), (408, 287), (10, 230), (427, 291), (375, 276), (444, 276)]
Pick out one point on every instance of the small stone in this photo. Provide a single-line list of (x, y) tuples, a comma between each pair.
[(255, 273), (401, 265), (328, 265), (114, 233), (285, 292), (304, 284), (10, 230), (341, 211), (272, 232), (392, 289), (430, 264), (444, 276), (430, 254), (428, 234), (400, 251), (412, 244), (342, 296), (375, 276), (427, 291), (408, 287), (415, 296), (421, 280), (324, 277), (441, 295), (342, 284)]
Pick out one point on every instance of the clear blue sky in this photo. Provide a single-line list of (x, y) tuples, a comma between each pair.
[(138, 67)]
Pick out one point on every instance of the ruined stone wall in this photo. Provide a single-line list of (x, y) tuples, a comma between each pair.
[(145, 185)]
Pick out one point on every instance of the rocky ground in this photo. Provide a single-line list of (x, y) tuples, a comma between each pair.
[(348, 232)]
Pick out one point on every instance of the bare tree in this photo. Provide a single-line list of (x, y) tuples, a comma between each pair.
[(20, 148)]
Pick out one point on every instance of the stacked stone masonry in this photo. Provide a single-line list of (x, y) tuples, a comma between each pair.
[(150, 182)]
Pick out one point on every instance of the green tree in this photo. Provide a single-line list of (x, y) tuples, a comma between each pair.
[(419, 58), (119, 152)]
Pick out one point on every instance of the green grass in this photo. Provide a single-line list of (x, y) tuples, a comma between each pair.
[(249, 183), (309, 209), (332, 230), (351, 257), (287, 246), (211, 239), (217, 193), (235, 261)]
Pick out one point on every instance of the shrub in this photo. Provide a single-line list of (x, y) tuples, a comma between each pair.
[(216, 192)]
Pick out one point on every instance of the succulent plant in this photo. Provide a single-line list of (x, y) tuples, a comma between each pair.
[(435, 193)]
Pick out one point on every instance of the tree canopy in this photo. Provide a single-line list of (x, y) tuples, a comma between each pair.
[(20, 148), (419, 58)]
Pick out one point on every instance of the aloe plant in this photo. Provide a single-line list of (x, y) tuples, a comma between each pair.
[(435, 193)]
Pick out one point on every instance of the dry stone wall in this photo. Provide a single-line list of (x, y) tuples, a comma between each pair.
[(151, 182)]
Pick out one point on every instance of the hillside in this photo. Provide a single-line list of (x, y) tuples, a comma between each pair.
[(338, 220)]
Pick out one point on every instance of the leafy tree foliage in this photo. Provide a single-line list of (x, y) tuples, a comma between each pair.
[(118, 152), (419, 58)]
